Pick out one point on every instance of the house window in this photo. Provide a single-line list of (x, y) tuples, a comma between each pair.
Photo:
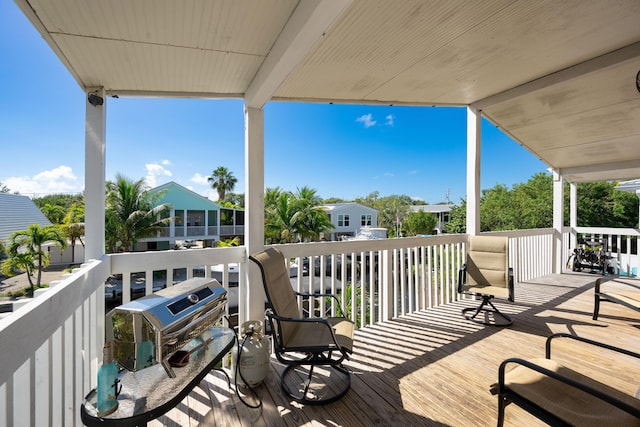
[(365, 220), (343, 220)]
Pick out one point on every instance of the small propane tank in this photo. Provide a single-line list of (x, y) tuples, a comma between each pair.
[(254, 354)]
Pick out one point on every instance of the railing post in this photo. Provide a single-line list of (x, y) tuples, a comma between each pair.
[(386, 286)]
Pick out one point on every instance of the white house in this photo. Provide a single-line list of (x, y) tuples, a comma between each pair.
[(349, 218), (442, 212)]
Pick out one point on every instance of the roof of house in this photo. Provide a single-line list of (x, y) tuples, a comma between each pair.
[(334, 207), (632, 186), (18, 213), (180, 197), (432, 208)]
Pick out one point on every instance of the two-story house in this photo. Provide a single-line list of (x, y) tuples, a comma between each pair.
[(196, 220), (349, 218)]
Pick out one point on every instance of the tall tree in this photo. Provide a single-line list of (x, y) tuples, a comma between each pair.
[(132, 214), (392, 211), (223, 181), (30, 242), (54, 213), (420, 222), (279, 224), (310, 220), (73, 227)]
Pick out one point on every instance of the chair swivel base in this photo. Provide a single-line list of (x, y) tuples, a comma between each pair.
[(315, 384), (499, 318)]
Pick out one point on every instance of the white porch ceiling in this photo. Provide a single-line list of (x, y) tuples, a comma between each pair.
[(558, 76)]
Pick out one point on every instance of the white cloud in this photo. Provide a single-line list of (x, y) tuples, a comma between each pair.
[(389, 174), (57, 180), (165, 162), (367, 120), (389, 119), (154, 171), (412, 172), (199, 179)]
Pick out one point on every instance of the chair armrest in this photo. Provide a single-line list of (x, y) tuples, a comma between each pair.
[(319, 295), (587, 341), (462, 277), (564, 379)]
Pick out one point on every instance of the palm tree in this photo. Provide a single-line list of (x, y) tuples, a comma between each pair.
[(54, 213), (310, 220), (222, 180), (279, 224), (74, 226), (132, 214), (28, 243)]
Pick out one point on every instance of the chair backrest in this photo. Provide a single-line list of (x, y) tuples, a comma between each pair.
[(277, 287), (488, 261)]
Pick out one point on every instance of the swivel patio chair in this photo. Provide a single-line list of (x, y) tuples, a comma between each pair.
[(486, 274), (312, 348)]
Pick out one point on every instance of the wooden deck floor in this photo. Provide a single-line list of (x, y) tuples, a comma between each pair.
[(434, 368)]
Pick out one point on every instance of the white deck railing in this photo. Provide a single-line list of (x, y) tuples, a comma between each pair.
[(50, 348), (622, 245), (49, 351)]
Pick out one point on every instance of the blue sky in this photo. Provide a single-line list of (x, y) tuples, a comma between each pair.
[(344, 151)]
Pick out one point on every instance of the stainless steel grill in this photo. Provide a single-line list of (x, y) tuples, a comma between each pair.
[(153, 328)]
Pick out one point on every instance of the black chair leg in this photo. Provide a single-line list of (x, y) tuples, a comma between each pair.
[(330, 389), (596, 307), (482, 308), (501, 406)]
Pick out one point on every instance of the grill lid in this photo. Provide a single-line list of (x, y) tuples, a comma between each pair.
[(150, 329)]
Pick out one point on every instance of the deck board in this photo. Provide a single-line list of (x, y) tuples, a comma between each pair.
[(433, 368)]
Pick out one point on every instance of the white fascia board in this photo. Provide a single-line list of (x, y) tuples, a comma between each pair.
[(306, 26)]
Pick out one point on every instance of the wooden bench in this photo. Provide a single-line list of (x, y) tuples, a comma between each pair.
[(620, 291)]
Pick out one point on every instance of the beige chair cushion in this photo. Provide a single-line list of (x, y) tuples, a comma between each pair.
[(630, 298), (284, 302), (278, 288), (574, 406), (488, 266), (310, 335)]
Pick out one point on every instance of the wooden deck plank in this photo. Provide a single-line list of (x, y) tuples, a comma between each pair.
[(434, 368)]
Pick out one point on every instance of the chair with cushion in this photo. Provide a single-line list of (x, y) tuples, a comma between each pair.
[(486, 274), (562, 396), (312, 348), (621, 291)]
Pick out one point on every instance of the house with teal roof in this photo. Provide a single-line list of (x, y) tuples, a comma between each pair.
[(196, 220)]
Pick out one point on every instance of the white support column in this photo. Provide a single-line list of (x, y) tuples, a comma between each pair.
[(172, 226), (94, 174), (558, 219), (573, 214), (473, 170), (251, 300), (638, 194)]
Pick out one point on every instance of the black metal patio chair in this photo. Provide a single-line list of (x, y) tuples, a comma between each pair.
[(312, 348)]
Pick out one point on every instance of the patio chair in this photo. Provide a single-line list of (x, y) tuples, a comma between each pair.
[(561, 396), (486, 274), (312, 348), (619, 292)]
